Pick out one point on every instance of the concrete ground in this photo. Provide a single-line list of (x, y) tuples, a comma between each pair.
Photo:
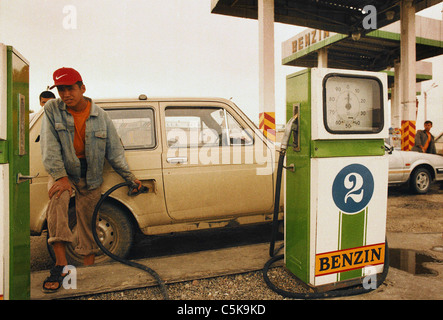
[(399, 285)]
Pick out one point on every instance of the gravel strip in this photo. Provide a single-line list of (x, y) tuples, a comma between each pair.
[(246, 286)]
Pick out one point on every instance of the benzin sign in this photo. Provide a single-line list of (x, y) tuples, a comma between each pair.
[(309, 37), (349, 259), (304, 40)]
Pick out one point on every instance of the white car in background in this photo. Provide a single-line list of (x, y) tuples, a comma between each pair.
[(417, 169), (439, 143)]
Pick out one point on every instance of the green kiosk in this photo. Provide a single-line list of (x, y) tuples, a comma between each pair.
[(336, 194), (14, 171)]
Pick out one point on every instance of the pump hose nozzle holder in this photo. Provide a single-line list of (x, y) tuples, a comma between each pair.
[(132, 186)]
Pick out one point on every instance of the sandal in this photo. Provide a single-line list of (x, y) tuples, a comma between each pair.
[(56, 276)]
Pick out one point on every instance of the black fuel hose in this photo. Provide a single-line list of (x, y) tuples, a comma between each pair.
[(159, 280), (274, 232)]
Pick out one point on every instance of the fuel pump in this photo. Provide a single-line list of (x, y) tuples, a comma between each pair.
[(336, 188), (14, 170)]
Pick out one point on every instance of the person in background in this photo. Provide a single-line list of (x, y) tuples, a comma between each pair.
[(45, 96), (424, 140)]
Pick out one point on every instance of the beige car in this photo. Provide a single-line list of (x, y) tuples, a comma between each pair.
[(205, 163)]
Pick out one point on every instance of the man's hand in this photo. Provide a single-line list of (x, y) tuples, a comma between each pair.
[(138, 182), (60, 186), (135, 188)]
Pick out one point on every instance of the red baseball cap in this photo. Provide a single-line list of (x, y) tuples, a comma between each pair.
[(65, 77)]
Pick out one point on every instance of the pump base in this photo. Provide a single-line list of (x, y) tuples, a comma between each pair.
[(329, 286), (337, 285)]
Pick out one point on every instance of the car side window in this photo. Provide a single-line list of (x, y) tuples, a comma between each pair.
[(238, 135), (135, 127), (188, 127)]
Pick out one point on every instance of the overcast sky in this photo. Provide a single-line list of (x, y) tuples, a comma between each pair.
[(159, 48)]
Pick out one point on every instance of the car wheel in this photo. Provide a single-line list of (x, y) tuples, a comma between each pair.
[(420, 181), (114, 229)]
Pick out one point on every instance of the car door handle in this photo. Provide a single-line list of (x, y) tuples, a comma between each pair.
[(176, 160)]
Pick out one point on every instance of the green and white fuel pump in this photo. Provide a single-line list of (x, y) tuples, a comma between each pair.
[(14, 171), (336, 191)]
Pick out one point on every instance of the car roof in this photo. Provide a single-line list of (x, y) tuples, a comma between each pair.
[(144, 98)]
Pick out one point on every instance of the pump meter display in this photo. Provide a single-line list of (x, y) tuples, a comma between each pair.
[(352, 104)]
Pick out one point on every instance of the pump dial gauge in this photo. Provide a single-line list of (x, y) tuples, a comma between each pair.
[(352, 104)]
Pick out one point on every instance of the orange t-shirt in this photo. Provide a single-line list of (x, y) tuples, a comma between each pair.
[(425, 147), (80, 118)]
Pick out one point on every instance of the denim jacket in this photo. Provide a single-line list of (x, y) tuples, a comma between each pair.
[(102, 142)]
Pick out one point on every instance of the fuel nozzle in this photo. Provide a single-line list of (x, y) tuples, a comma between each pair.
[(291, 126)]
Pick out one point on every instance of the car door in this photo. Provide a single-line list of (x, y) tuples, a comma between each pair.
[(214, 165), (138, 128), (398, 173)]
